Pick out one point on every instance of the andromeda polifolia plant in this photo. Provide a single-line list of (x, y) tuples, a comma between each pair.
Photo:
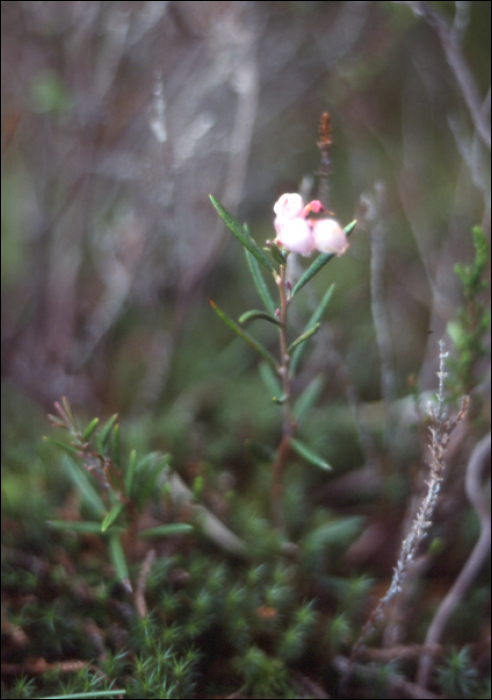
[(298, 230)]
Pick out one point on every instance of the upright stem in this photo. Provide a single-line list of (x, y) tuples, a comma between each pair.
[(288, 421)]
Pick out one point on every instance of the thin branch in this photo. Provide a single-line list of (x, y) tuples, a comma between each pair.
[(378, 305), (440, 432), (396, 683), (140, 603), (462, 73), (476, 495)]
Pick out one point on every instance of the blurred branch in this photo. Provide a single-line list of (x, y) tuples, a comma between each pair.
[(450, 40), (476, 493), (396, 683), (378, 302)]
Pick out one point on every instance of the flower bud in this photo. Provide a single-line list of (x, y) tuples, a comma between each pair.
[(329, 237)]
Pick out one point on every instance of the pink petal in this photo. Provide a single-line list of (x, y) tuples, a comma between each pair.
[(289, 205), (329, 237), (294, 235)]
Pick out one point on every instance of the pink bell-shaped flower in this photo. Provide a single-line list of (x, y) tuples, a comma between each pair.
[(288, 206), (329, 237), (293, 231), (295, 235)]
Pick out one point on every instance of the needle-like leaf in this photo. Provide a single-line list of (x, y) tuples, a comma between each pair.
[(308, 454), (242, 235), (260, 283), (261, 349)]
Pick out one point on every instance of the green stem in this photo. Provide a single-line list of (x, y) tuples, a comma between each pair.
[(288, 420)]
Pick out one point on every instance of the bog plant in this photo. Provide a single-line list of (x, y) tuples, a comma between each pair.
[(297, 232)]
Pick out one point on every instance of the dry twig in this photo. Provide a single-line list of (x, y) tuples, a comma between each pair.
[(476, 495)]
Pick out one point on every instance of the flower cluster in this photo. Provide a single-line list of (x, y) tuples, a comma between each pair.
[(298, 234)]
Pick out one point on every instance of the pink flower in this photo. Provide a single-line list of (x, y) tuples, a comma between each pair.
[(289, 206), (293, 231), (295, 235), (298, 234), (329, 237)]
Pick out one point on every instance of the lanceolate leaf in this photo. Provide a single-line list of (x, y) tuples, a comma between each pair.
[(260, 283), (315, 318), (82, 526), (90, 429), (130, 472), (302, 338), (244, 336), (308, 397), (251, 315), (106, 430), (113, 514), (270, 379), (81, 480), (308, 454), (119, 560), (166, 530), (242, 235), (320, 262)]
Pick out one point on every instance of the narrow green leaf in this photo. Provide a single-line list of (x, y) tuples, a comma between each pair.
[(90, 429), (260, 283), (130, 472), (106, 431), (149, 471), (254, 313), (118, 558), (321, 308), (339, 532), (320, 262), (69, 449), (308, 454), (166, 530), (242, 235), (116, 445), (90, 528), (113, 514), (270, 379), (244, 336), (316, 316), (81, 480), (302, 338), (308, 397)]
